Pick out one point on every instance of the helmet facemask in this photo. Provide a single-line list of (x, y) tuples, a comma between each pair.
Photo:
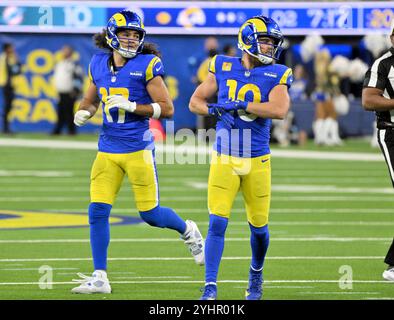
[(273, 52), (129, 49)]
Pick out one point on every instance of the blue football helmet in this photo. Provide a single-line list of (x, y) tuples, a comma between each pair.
[(125, 20), (260, 26)]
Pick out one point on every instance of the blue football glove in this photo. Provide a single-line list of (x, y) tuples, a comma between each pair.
[(220, 114), (235, 105), (231, 105)]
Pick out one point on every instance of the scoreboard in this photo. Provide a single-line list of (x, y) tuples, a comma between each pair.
[(294, 18)]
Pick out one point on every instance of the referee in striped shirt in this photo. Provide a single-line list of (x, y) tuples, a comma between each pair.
[(378, 96)]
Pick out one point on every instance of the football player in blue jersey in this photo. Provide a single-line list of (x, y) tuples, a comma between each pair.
[(127, 82), (252, 90)]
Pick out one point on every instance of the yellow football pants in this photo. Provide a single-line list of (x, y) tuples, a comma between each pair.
[(109, 169), (252, 176)]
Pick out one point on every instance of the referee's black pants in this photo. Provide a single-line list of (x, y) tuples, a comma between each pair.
[(65, 113), (386, 143), (8, 96)]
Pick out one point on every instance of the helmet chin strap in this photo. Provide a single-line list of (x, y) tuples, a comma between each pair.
[(265, 60), (262, 58), (126, 54)]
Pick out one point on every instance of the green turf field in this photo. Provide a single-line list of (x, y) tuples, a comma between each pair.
[(326, 216)]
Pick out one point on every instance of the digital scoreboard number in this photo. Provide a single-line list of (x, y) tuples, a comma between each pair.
[(294, 18)]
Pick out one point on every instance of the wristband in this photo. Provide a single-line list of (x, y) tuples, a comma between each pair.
[(156, 110)]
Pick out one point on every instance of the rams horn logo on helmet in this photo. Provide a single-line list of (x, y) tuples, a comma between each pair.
[(260, 26)]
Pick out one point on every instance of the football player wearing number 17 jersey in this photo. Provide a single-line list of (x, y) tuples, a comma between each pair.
[(128, 82), (252, 90)]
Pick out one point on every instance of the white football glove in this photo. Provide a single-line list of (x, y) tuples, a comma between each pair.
[(121, 103), (81, 117)]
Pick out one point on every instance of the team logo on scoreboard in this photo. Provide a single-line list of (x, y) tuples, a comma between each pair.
[(13, 16), (191, 17), (163, 18)]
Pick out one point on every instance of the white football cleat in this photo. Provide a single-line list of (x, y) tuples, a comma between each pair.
[(389, 274), (97, 283), (195, 242)]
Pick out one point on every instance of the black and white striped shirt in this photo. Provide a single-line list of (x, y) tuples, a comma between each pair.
[(381, 76)]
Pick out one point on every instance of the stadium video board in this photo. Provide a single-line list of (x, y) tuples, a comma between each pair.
[(294, 18)]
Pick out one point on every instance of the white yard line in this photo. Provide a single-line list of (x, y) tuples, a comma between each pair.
[(307, 188), (35, 173), (40, 199), (328, 189), (238, 210), (296, 223), (327, 155), (337, 292), (280, 173), (332, 210), (79, 181), (203, 186), (87, 272), (186, 259), (200, 282), (291, 239), (182, 149), (48, 144), (334, 198), (47, 189), (33, 269), (55, 189), (163, 277), (332, 223), (280, 287), (322, 172), (64, 180), (203, 198)]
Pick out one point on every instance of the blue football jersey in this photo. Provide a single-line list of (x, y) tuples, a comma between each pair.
[(124, 132), (235, 82)]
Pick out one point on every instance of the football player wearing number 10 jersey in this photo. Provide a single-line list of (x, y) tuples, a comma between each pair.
[(128, 82), (252, 90)]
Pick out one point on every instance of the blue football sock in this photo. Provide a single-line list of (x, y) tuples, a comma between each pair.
[(163, 217), (259, 241), (99, 233), (214, 245)]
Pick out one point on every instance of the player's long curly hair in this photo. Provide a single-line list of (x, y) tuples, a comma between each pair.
[(101, 42)]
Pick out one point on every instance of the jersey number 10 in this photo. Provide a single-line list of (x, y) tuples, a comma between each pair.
[(232, 84)]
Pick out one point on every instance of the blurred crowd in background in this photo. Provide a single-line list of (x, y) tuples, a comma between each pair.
[(328, 76)]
